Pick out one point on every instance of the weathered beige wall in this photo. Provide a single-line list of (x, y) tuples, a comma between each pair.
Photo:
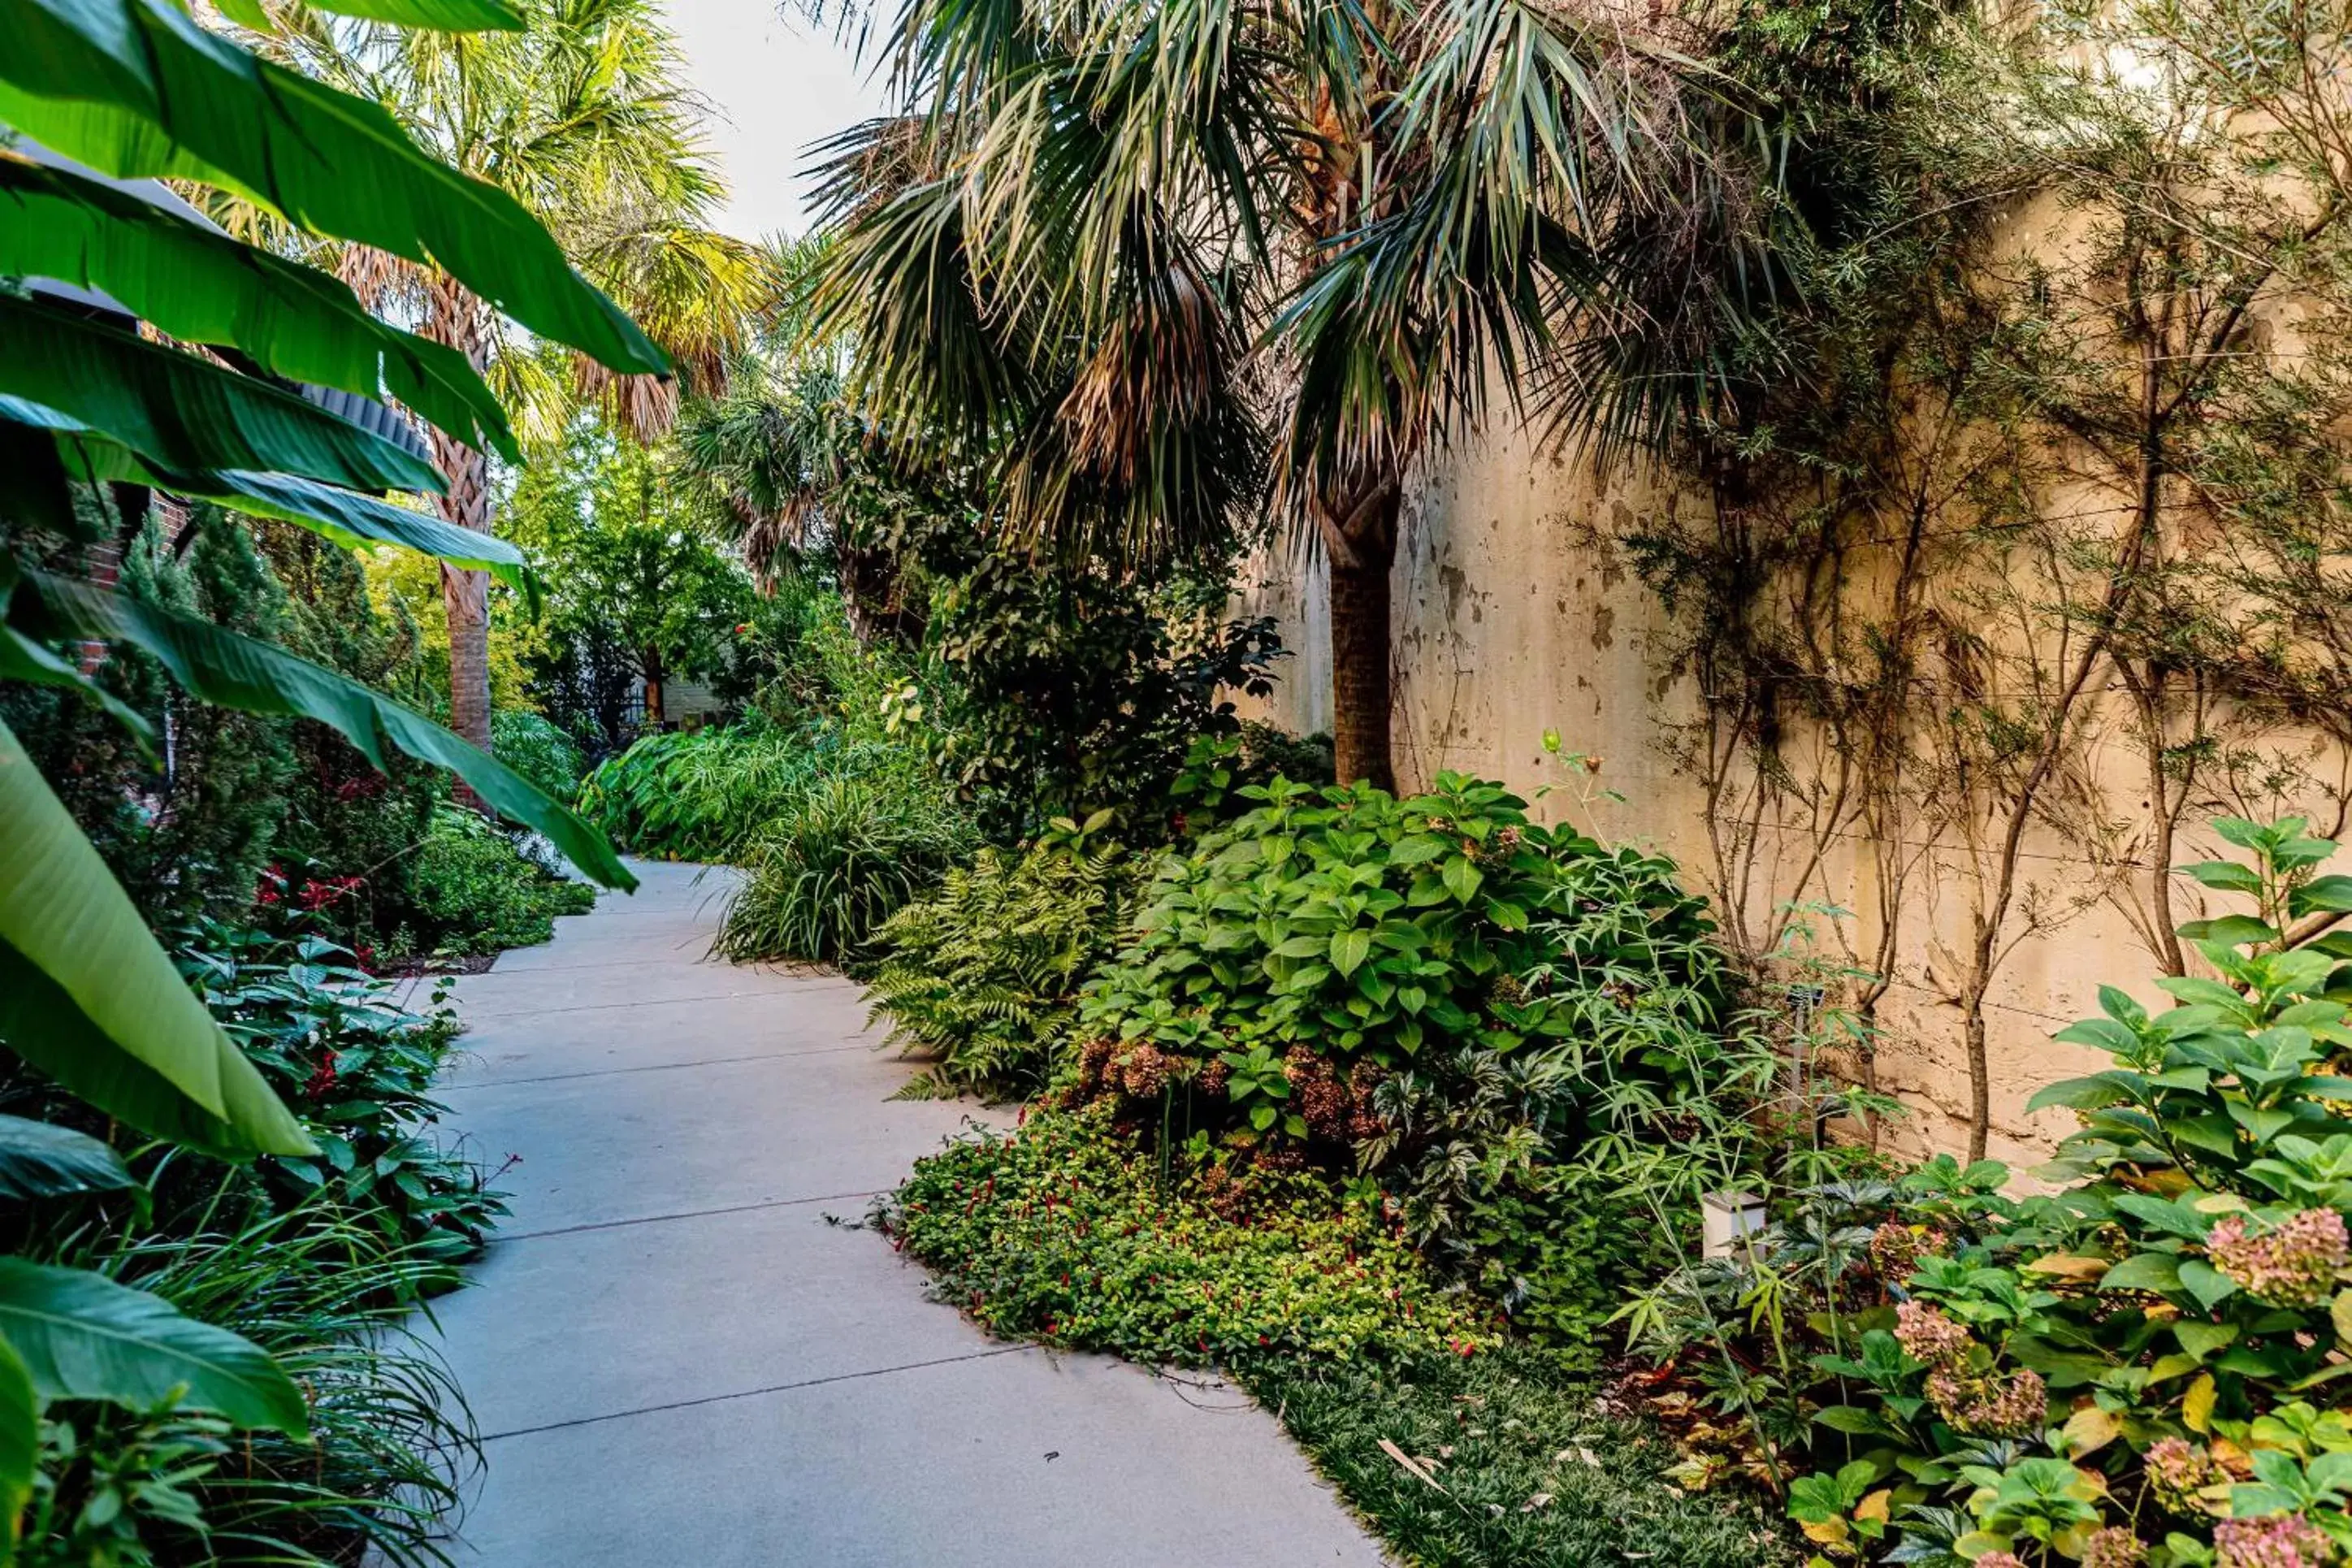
[(1507, 621)]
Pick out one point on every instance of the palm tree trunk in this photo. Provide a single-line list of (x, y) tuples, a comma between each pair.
[(1359, 536), (456, 318)]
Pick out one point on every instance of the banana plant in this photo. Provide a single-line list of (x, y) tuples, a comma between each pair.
[(198, 405)]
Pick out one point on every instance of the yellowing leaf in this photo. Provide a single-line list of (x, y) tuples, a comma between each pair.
[(1876, 1506), (2090, 1429), (2196, 1404), (2070, 1266)]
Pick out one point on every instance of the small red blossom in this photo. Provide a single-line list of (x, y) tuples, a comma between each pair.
[(323, 1079)]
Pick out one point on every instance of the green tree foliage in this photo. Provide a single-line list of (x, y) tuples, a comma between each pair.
[(578, 113), (639, 590), (1108, 258)]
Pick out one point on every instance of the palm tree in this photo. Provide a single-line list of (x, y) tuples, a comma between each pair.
[(581, 116), (1116, 253)]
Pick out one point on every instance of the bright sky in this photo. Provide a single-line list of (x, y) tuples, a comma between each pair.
[(778, 84)]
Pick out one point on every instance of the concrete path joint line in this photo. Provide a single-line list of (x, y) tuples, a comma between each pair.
[(682, 1213), (610, 1006), (755, 1393), (653, 1067)]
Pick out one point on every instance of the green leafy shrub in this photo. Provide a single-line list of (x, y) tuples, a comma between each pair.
[(706, 795), (2141, 1367), (693, 795), (1478, 1011), (535, 748), (1062, 1232), (358, 1069), (472, 891), (326, 1293), (1537, 1471), (842, 858), (983, 975)]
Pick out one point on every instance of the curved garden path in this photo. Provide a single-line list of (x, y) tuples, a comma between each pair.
[(681, 1358)]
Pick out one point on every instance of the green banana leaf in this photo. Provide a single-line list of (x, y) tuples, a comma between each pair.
[(199, 286), (136, 88), (348, 518), (20, 1436), (235, 671), (433, 16), (88, 996), (82, 1336), (22, 658), (186, 412), (43, 1160)]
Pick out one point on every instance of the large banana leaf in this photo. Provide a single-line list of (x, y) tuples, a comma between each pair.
[(82, 1336), (136, 88), (43, 1160), (235, 671), (186, 412), (88, 996), (350, 518), (22, 658), (435, 15), (199, 286), (20, 1436)]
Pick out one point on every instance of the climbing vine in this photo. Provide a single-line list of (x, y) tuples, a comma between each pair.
[(2026, 535)]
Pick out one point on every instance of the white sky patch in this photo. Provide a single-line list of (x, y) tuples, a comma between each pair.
[(778, 86)]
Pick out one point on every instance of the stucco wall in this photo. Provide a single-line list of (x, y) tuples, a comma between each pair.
[(1512, 616)]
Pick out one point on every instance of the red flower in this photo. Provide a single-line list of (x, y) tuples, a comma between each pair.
[(322, 1081)]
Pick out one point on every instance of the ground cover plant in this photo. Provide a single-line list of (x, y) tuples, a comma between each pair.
[(1063, 1231), (1514, 1462)]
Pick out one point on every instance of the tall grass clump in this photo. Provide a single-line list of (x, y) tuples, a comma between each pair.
[(332, 1298), (841, 858)]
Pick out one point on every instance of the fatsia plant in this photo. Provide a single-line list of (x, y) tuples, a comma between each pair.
[(135, 89)]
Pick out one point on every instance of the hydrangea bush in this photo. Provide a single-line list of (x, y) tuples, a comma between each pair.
[(2143, 1369)]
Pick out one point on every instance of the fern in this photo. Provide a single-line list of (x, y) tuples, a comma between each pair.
[(984, 976)]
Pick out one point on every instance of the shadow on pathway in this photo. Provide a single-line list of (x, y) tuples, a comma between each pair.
[(681, 1353)]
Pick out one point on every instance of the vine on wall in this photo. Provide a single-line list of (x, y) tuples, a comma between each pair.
[(2030, 530)]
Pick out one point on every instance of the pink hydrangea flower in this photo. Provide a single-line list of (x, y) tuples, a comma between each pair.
[(1925, 1334), (2177, 1468), (2292, 1264), (1989, 1406), (2114, 1547), (2282, 1540)]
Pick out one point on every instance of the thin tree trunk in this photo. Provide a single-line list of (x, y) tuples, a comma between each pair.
[(456, 318), (1360, 539), (655, 716)]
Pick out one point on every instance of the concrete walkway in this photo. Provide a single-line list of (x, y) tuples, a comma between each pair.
[(679, 1360)]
